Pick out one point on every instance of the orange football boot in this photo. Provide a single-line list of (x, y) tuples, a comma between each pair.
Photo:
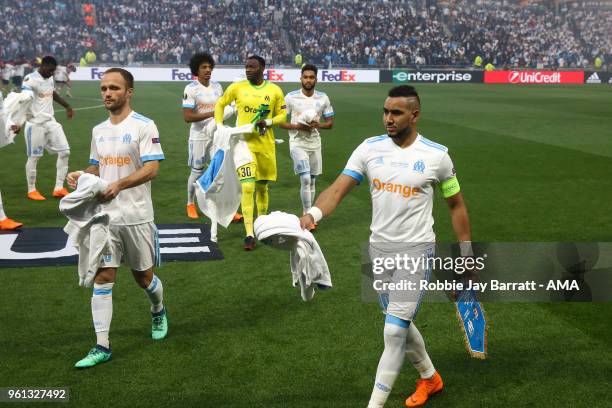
[(191, 211), (8, 225), (62, 192), (424, 389), (36, 196)]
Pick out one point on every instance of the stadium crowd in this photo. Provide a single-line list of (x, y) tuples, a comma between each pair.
[(378, 33)]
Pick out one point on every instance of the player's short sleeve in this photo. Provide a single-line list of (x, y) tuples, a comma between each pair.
[(328, 110), (446, 169), (28, 84), (356, 167), (281, 105), (289, 104), (94, 158), (188, 98), (149, 144)]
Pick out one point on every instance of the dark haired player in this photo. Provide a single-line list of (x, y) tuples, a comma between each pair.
[(42, 131), (402, 168), (199, 99), (304, 136)]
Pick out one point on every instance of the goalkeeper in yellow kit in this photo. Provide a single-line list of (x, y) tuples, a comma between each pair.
[(263, 104)]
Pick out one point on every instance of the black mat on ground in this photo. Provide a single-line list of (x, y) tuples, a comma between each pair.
[(50, 246)]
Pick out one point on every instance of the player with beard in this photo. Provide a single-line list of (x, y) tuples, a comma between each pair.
[(125, 152), (402, 168), (304, 135)]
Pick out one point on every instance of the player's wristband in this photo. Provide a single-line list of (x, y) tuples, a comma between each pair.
[(465, 248), (316, 213), (268, 122)]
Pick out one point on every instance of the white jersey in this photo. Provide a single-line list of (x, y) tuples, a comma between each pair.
[(41, 109), (61, 74), (118, 151), (7, 71), (402, 186), (19, 69), (297, 103), (202, 99)]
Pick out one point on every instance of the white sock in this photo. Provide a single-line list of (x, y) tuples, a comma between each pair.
[(31, 173), (312, 188), (2, 214), (305, 193), (390, 363), (416, 353), (193, 177), (102, 311), (62, 169), (155, 293)]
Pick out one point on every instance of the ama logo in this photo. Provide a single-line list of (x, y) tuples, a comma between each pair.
[(419, 166)]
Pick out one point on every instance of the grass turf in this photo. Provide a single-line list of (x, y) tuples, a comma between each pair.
[(533, 164)]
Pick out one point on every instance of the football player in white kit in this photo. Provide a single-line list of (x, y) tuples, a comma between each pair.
[(199, 99), (402, 168), (304, 137), (6, 224), (42, 131), (125, 151), (62, 79)]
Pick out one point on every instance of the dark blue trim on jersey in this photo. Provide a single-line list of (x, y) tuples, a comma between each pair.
[(94, 162), (152, 157), (397, 321), (352, 173)]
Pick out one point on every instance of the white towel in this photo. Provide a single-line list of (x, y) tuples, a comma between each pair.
[(218, 191), (307, 116), (211, 126), (308, 265), (14, 113), (88, 225)]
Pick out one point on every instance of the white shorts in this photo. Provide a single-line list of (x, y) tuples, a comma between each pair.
[(306, 161), (136, 246), (200, 153), (49, 135), (405, 303)]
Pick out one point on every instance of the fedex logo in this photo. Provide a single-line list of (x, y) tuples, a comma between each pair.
[(96, 73), (339, 76), (177, 75), (273, 75)]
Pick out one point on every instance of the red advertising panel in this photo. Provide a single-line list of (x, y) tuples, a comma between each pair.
[(534, 77)]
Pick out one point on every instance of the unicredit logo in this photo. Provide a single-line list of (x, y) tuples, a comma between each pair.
[(526, 77)]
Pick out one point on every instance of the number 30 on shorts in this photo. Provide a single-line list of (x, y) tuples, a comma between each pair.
[(246, 172)]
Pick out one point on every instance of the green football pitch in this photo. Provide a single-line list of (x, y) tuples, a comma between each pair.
[(534, 164)]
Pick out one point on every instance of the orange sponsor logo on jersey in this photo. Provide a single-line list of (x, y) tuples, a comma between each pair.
[(115, 161), (404, 190)]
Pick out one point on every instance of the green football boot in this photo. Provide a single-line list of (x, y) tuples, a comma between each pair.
[(96, 355), (159, 325)]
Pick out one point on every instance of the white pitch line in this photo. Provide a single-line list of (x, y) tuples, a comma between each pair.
[(84, 108)]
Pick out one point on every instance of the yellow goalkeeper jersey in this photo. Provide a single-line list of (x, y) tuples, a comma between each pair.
[(265, 101)]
